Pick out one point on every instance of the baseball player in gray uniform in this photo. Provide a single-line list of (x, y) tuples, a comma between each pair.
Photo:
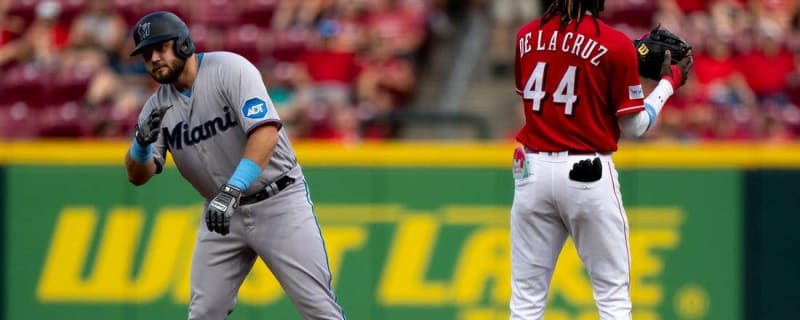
[(213, 114)]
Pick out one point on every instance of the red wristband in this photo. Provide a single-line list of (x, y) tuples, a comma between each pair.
[(677, 77)]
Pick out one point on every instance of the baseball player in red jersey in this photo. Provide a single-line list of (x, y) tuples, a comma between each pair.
[(579, 81)]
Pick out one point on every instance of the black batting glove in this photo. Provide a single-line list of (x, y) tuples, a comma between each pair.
[(220, 209), (147, 131)]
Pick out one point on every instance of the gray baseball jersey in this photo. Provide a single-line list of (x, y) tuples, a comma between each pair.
[(206, 128), (206, 132)]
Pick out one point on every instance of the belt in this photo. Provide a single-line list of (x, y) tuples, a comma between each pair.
[(268, 191), (580, 153), (569, 152)]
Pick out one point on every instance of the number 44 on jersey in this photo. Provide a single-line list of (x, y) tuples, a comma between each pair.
[(564, 94)]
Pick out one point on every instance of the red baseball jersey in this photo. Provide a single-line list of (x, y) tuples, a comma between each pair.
[(575, 83)]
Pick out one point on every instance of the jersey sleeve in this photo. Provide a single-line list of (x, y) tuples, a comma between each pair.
[(627, 95), (159, 147), (248, 96)]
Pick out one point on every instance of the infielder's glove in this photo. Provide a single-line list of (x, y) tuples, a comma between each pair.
[(147, 132), (651, 48), (220, 209)]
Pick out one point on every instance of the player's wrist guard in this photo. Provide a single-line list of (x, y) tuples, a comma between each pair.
[(228, 197), (676, 79), (141, 153), (246, 172)]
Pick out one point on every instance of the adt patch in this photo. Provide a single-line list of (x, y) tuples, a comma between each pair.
[(255, 108)]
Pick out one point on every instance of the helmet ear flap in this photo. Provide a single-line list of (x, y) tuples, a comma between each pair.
[(184, 47)]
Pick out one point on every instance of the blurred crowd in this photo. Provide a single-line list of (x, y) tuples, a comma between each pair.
[(331, 66), (745, 84), (337, 68)]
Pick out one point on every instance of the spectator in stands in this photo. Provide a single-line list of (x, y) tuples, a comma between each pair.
[(326, 76), (718, 74), (11, 26), (352, 26), (507, 17), (95, 35), (43, 41), (296, 14), (334, 122), (769, 54), (117, 91), (402, 28), (385, 86), (98, 26), (336, 64), (781, 12), (330, 67)]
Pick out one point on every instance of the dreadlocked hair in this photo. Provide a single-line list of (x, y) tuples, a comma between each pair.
[(572, 10)]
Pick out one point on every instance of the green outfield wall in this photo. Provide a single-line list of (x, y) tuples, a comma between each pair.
[(408, 236)]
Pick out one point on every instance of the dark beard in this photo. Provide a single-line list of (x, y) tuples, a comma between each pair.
[(174, 72)]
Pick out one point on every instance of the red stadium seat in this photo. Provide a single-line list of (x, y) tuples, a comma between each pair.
[(129, 9), (69, 85), (71, 9), (175, 6), (17, 121), (25, 9), (289, 46), (244, 41), (207, 37), (219, 13), (63, 120), (258, 12), (120, 124), (23, 84), (633, 13)]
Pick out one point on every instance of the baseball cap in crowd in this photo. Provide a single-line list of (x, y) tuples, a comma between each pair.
[(48, 10), (328, 28)]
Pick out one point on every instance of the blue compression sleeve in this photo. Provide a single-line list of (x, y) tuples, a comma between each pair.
[(139, 154), (651, 111), (245, 174)]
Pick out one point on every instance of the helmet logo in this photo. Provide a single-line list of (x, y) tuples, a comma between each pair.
[(144, 30)]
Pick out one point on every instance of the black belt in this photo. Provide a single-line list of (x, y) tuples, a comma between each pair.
[(268, 191)]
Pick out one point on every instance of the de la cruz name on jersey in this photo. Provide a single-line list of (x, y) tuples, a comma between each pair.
[(571, 43), (575, 81), (181, 135)]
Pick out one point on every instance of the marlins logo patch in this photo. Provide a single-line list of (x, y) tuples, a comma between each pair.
[(255, 108), (144, 30)]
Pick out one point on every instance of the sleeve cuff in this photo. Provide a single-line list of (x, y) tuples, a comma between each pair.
[(272, 122), (630, 110)]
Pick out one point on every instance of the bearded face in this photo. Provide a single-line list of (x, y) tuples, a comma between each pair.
[(167, 72), (162, 64)]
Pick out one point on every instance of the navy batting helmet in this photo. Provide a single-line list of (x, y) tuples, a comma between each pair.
[(161, 26)]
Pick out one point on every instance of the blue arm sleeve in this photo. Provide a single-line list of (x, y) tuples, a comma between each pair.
[(245, 174), (651, 111), (139, 154)]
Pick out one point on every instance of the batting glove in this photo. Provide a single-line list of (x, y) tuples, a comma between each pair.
[(220, 209), (147, 132)]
